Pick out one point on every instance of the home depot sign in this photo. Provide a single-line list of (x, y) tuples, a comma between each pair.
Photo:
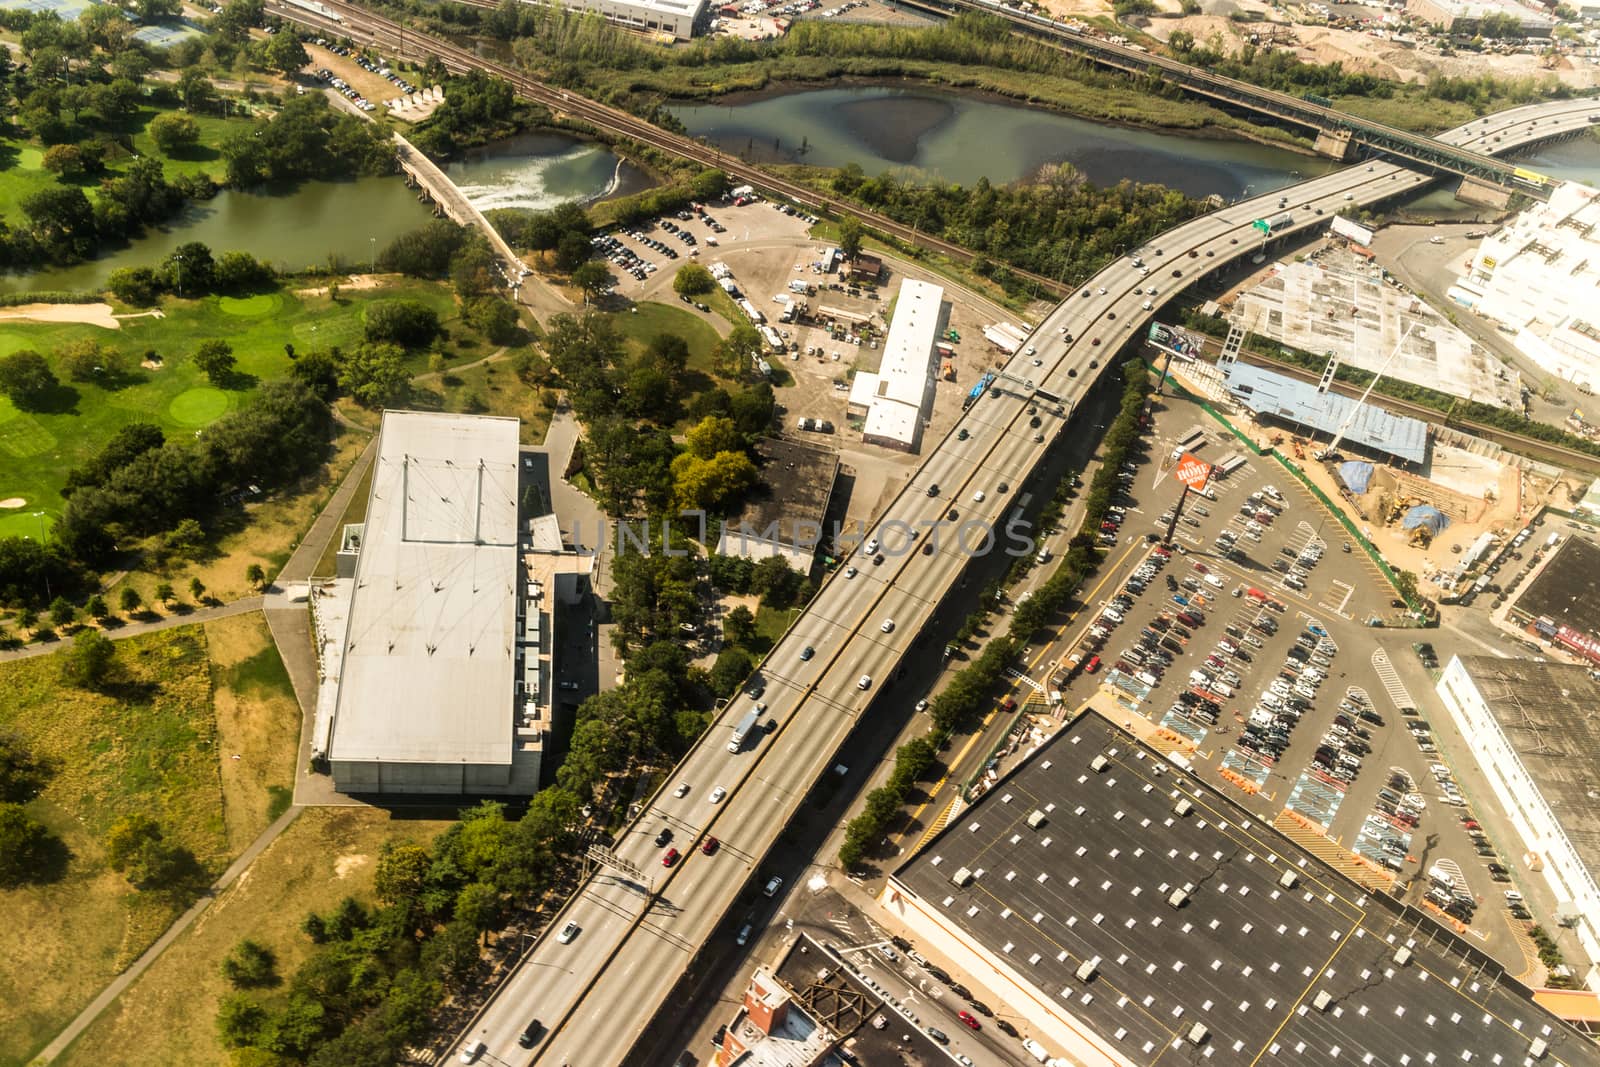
[(1192, 471)]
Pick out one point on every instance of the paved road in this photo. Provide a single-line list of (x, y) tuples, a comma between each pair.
[(640, 926), (149, 956)]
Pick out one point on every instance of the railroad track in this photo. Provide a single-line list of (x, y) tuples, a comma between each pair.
[(396, 38)]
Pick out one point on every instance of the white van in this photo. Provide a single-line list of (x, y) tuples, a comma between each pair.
[(1036, 1050)]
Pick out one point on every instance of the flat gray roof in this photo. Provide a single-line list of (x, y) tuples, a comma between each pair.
[(430, 649), (1244, 955), (1286, 399), (1567, 591), (1546, 711)]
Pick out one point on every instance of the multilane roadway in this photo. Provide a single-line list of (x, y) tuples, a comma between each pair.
[(596, 994)]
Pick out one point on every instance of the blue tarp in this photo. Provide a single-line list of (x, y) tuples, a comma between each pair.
[(1424, 515), (1356, 474)]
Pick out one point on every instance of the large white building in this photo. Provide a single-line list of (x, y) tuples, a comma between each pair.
[(675, 18), (428, 659), (898, 397), (1539, 278), (1532, 729)]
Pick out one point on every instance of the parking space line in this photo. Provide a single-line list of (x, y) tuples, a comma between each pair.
[(1391, 679)]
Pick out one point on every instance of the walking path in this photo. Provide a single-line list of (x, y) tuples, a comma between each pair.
[(134, 629), (114, 989)]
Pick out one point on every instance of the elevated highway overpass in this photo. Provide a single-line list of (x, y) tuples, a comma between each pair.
[(598, 993), (640, 932)]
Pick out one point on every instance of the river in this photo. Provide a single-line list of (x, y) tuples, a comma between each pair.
[(303, 225), (960, 138)]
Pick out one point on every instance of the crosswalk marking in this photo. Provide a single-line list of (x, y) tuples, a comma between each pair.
[(1017, 676)]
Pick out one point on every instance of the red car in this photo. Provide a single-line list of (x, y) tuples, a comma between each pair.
[(1092, 666), (710, 846), (670, 858), (970, 1019)]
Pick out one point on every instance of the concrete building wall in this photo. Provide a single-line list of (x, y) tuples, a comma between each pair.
[(680, 20), (1531, 815)]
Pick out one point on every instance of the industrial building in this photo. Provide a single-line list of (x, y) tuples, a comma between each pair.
[(1538, 276), (783, 516), (1561, 603), (896, 399), (1132, 916), (1466, 16), (1532, 730), (678, 19), (435, 643), (1304, 408)]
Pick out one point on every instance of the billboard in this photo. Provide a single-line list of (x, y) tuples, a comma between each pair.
[(1353, 230), (1192, 471)]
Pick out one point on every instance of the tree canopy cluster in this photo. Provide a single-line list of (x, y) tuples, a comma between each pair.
[(377, 973), (307, 138), (137, 487), (190, 270)]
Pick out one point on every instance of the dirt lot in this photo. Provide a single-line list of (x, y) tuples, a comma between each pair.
[(1357, 50), (765, 250)]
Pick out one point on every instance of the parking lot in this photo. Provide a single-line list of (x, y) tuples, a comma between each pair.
[(1243, 648)]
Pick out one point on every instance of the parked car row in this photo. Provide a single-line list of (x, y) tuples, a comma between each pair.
[(614, 251), (339, 84)]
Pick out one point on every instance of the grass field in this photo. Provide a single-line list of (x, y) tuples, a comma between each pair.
[(652, 319), (38, 448), (161, 743), (22, 162), (166, 1017)]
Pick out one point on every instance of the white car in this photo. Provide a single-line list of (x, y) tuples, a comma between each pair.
[(716, 795), (864, 682), (472, 1050), (682, 790), (888, 626), (871, 547), (850, 572), (1216, 580), (568, 932), (977, 497)]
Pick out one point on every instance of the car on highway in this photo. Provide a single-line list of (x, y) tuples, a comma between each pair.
[(773, 885), (807, 652), (888, 626), (938, 1035), (531, 1034), (682, 790), (716, 795), (670, 858), (472, 1050), (970, 1020), (710, 846), (663, 837), (568, 932), (864, 682)]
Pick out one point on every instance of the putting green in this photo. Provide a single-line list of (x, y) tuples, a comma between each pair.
[(250, 307), (22, 524), (198, 407)]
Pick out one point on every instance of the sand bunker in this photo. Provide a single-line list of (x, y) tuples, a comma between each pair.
[(13, 502), (93, 314)]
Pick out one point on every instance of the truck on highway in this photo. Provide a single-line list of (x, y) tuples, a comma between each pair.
[(1279, 221), (743, 730)]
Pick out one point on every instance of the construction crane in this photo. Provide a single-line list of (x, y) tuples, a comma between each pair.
[(1332, 451)]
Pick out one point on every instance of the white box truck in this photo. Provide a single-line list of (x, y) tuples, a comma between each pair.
[(742, 731)]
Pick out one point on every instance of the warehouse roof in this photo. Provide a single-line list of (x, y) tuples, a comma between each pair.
[(429, 653), (1546, 712), (1304, 969), (1289, 400)]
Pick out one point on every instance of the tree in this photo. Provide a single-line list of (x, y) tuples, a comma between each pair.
[(692, 279), (850, 234), (402, 873), (165, 593), (733, 666), (494, 317), (126, 836), (96, 608), (707, 484), (197, 589), (478, 905), (593, 277), (130, 599), (86, 361), (215, 360), (410, 323), (22, 774), (319, 372), (195, 89), (283, 52), (250, 965), (88, 662), (239, 272), (62, 612), (63, 159), (374, 375), (138, 286), (739, 626), (777, 583), (711, 435), (27, 379), (255, 575), (25, 846), (241, 1022), (136, 847), (737, 353), (190, 269), (174, 132)]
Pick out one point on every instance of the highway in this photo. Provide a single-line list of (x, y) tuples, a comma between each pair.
[(638, 934), (596, 994)]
